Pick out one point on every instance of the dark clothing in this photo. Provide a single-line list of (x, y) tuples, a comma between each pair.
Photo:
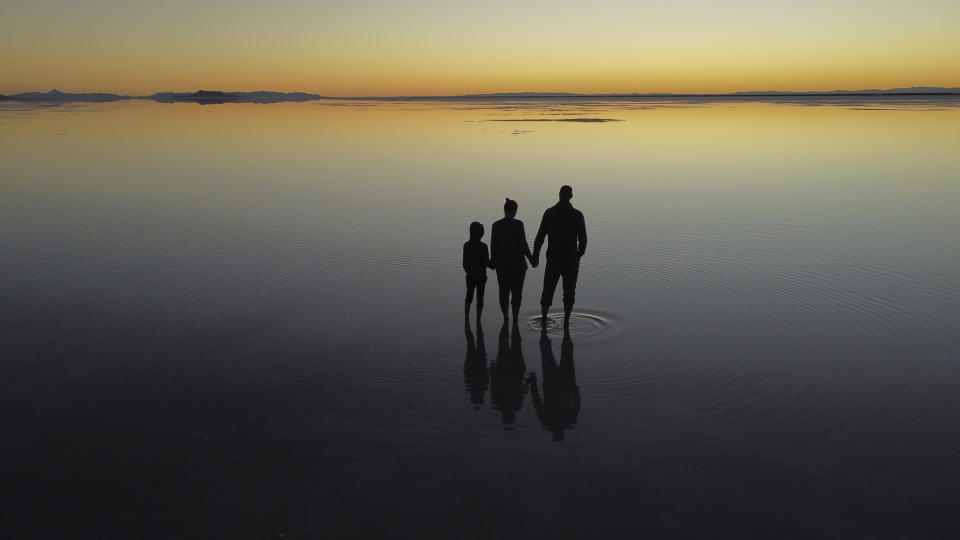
[(509, 249), (510, 282), (568, 270), (479, 283), (508, 244), (476, 258), (565, 227), (567, 231), (475, 262)]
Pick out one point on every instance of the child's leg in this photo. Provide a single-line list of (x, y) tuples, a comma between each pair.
[(469, 299), (481, 285)]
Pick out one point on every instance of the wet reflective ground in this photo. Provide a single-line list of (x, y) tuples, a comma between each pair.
[(245, 321)]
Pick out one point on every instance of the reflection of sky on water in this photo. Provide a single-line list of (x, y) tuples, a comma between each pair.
[(767, 310)]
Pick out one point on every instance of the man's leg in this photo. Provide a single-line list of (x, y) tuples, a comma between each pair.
[(550, 277), (570, 272)]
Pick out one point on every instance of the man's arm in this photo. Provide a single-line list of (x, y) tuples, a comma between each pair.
[(581, 236), (541, 234)]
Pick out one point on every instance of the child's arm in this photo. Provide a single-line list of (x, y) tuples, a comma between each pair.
[(464, 258), (489, 263), (494, 233)]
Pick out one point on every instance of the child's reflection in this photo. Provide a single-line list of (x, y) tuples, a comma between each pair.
[(475, 375)]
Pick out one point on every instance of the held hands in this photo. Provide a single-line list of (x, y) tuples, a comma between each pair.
[(534, 260)]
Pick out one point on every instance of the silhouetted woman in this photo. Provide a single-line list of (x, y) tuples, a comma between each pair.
[(510, 252)]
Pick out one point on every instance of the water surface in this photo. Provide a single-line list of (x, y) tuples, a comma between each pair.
[(246, 321)]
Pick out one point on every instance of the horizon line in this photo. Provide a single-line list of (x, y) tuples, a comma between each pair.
[(759, 93)]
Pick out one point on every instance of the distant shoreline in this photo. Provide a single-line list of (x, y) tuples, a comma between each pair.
[(205, 97)]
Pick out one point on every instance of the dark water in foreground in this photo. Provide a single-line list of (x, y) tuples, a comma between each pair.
[(245, 321)]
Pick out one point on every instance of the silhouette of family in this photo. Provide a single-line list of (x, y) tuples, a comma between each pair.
[(556, 400), (562, 226)]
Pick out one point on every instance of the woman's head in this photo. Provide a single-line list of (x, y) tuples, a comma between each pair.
[(510, 208)]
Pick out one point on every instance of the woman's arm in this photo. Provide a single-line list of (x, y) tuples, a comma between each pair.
[(523, 236), (526, 247)]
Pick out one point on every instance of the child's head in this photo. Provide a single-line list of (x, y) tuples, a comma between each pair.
[(510, 208), (476, 230)]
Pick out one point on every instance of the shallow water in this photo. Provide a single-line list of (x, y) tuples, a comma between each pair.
[(246, 321)]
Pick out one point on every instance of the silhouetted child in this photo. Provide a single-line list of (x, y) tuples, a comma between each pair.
[(476, 260)]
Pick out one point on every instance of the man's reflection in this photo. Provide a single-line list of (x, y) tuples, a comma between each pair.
[(475, 375), (558, 406), (506, 375)]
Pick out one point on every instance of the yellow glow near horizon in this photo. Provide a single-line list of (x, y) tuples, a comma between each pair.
[(434, 48)]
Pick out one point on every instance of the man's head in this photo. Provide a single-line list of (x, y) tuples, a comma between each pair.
[(566, 193), (510, 208), (476, 230)]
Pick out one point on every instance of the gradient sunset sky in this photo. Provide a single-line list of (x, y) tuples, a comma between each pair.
[(426, 47)]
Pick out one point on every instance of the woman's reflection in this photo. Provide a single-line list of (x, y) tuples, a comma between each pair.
[(506, 376)]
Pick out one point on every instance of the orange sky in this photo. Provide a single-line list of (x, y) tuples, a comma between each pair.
[(428, 47)]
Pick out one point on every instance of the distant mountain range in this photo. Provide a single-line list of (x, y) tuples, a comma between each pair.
[(204, 97), (58, 96), (209, 97), (914, 90)]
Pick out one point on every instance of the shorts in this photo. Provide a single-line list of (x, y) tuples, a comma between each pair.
[(478, 283), (568, 269), (510, 282)]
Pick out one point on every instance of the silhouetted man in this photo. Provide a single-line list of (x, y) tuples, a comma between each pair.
[(564, 226)]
